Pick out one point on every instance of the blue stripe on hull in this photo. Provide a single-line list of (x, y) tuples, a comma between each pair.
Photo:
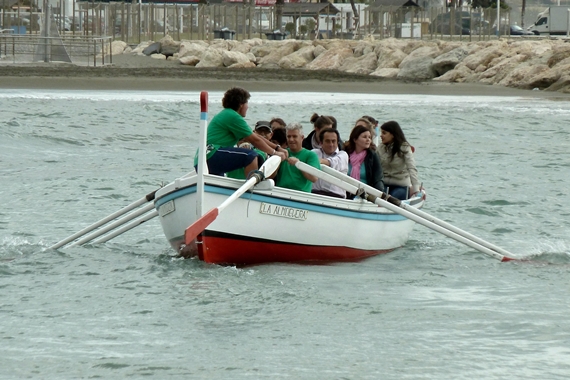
[(283, 202)]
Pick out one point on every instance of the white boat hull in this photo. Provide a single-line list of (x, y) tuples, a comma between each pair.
[(277, 225)]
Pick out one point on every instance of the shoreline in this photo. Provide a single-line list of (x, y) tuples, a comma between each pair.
[(150, 75)]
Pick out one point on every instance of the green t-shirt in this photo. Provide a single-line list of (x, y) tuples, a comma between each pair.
[(240, 173), (225, 129), (291, 177)]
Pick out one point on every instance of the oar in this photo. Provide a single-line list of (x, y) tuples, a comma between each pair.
[(392, 207), (375, 192), (115, 224), (147, 198), (127, 227), (196, 228)]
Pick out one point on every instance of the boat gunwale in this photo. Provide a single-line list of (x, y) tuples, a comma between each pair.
[(166, 193)]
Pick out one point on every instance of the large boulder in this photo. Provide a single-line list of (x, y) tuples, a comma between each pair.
[(417, 69), (518, 77), (242, 65), (561, 85), (153, 48), (429, 51), (502, 68), (169, 50), (483, 56), (447, 61), (319, 49), (332, 59), (242, 47), (230, 58), (298, 59), (386, 72), (418, 64), (558, 54), (459, 74), (189, 60), (364, 64), (363, 48), (191, 48), (211, 58), (169, 41), (117, 47), (262, 50), (279, 51), (389, 58), (140, 48)]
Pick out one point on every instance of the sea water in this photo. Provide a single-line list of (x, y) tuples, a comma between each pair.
[(498, 168)]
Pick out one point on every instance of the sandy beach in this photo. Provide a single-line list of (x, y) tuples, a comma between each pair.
[(138, 73)]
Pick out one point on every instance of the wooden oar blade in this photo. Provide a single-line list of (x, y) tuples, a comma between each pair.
[(200, 225)]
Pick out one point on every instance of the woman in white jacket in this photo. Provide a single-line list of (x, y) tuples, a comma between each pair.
[(397, 160)]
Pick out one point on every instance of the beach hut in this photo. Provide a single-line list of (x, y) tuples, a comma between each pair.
[(395, 17)]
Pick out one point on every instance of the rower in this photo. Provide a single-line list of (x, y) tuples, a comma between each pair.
[(289, 176), (226, 129)]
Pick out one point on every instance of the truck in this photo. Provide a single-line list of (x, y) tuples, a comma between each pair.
[(554, 21)]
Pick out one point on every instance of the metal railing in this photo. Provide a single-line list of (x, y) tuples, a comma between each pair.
[(88, 27), (79, 50), (136, 22)]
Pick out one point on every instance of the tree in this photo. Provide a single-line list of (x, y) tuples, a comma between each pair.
[(356, 16), (489, 4), (279, 13), (522, 13)]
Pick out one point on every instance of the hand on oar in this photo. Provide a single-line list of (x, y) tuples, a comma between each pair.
[(196, 228)]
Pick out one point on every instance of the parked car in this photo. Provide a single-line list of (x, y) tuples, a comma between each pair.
[(444, 27), (468, 22), (63, 23), (518, 31)]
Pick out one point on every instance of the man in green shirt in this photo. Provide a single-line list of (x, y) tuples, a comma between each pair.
[(226, 129), (289, 176)]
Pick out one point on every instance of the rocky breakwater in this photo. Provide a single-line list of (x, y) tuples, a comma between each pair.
[(517, 63)]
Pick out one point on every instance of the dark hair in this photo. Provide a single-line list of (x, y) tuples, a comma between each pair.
[(279, 135), (235, 97), (328, 130), (320, 121), (399, 139), (333, 119), (278, 120), (349, 146), (370, 119)]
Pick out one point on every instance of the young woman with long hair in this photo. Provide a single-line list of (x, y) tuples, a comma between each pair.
[(363, 162), (398, 164)]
